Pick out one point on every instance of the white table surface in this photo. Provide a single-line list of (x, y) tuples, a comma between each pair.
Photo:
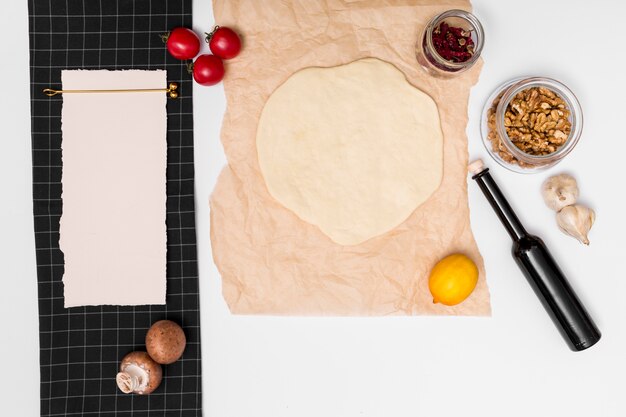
[(512, 364)]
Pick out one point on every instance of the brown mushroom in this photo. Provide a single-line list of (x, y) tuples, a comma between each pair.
[(139, 374), (165, 342)]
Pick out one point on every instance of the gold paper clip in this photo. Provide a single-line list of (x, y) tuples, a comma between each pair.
[(171, 91)]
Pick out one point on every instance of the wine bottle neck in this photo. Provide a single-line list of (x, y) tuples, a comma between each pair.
[(500, 205)]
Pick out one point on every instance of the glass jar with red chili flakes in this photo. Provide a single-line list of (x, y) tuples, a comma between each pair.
[(450, 43)]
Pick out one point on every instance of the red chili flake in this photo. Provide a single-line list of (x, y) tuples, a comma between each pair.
[(453, 43)]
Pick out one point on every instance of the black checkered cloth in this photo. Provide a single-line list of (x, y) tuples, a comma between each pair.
[(81, 347)]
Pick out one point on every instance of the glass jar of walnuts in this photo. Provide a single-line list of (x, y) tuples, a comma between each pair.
[(530, 124)]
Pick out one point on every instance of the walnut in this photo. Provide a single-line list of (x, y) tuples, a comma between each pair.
[(536, 120)]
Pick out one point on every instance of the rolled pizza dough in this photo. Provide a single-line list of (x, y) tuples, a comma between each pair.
[(353, 149)]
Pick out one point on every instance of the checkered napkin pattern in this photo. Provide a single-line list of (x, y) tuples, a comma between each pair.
[(80, 347)]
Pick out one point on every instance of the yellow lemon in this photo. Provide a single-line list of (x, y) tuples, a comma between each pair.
[(453, 279)]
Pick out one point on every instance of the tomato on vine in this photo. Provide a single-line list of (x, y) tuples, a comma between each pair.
[(224, 42), (208, 69), (182, 43)]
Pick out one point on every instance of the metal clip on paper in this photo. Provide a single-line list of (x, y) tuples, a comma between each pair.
[(171, 91)]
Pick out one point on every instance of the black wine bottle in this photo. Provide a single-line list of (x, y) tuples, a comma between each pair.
[(542, 272)]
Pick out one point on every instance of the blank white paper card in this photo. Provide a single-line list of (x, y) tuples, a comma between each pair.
[(114, 147)]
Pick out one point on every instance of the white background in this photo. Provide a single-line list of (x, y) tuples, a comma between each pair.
[(512, 364)]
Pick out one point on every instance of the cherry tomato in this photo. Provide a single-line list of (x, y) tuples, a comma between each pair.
[(208, 70), (183, 43), (224, 42)]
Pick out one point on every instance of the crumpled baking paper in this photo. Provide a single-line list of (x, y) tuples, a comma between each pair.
[(271, 261)]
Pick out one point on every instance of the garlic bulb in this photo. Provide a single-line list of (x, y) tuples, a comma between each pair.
[(576, 221), (560, 191)]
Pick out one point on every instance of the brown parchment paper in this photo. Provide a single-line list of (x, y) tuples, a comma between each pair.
[(271, 261)]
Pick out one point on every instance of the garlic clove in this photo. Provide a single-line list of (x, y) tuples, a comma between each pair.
[(576, 221), (560, 191)]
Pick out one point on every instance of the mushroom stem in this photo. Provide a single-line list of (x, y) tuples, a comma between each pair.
[(126, 383), (133, 378)]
